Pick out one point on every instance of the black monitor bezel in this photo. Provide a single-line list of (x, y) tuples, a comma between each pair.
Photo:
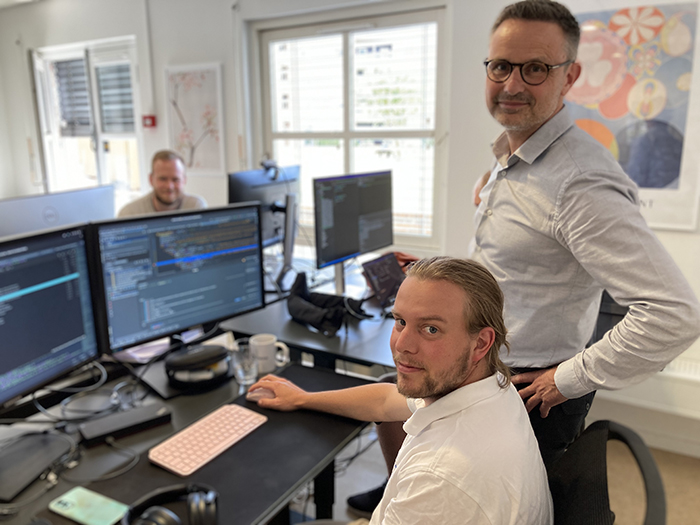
[(99, 296), (318, 180), (246, 181), (32, 237)]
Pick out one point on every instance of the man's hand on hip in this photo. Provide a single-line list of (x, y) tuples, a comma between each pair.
[(542, 390)]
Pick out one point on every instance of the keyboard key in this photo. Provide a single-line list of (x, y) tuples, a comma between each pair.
[(196, 445)]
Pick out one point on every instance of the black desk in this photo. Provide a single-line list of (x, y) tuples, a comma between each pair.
[(256, 478), (366, 342)]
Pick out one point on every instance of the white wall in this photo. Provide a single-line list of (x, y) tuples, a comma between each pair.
[(53, 22), (189, 32), (7, 181)]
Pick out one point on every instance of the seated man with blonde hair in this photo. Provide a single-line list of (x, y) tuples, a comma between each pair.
[(470, 456), (168, 180)]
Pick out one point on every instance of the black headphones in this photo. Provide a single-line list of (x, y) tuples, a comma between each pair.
[(201, 506)]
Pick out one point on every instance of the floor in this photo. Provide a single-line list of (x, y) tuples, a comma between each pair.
[(366, 471), (680, 474)]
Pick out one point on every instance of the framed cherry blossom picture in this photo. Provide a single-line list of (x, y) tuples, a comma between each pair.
[(635, 96), (195, 117)]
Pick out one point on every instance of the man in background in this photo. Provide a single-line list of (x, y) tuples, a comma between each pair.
[(168, 180)]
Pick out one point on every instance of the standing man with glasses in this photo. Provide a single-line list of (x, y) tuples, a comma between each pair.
[(557, 223)]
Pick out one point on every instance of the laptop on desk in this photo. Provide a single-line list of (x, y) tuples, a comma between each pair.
[(384, 275)]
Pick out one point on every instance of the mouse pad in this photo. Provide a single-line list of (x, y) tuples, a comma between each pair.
[(290, 444)]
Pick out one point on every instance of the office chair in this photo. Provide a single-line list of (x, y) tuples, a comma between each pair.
[(579, 480)]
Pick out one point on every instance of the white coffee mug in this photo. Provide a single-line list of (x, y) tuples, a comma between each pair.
[(270, 352)]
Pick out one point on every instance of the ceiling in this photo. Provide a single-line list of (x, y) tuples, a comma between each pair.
[(10, 3)]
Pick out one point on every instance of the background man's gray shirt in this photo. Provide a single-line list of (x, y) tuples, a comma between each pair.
[(144, 205)]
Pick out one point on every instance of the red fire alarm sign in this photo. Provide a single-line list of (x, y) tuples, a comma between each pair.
[(149, 121)]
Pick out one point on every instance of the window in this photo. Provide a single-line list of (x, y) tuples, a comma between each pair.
[(357, 99), (86, 99)]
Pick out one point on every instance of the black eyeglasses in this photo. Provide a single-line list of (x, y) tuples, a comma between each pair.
[(532, 73)]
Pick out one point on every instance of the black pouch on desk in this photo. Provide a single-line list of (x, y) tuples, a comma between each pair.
[(324, 312), (198, 367)]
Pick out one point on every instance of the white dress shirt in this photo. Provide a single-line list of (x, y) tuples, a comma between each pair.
[(469, 458), (559, 222)]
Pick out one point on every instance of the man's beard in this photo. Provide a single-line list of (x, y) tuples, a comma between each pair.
[(436, 387), (527, 118), (165, 203)]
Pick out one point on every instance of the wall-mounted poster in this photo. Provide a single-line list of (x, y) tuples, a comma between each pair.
[(195, 117), (634, 95)]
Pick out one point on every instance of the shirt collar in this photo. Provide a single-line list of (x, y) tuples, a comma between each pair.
[(537, 143), (454, 402)]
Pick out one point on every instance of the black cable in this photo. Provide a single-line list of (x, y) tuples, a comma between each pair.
[(133, 461), (91, 414), (100, 382), (141, 372), (10, 509), (342, 464)]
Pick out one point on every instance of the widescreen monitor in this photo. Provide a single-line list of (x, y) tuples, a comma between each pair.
[(52, 210), (47, 327), (353, 216), (162, 274)]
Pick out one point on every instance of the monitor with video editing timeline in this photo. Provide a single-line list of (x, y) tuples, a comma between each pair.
[(47, 327), (162, 274), (353, 216), (52, 210), (277, 189)]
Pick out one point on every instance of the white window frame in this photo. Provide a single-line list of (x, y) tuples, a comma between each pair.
[(344, 21), (112, 51)]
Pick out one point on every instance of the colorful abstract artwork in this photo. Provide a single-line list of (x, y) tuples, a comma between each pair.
[(634, 91), (195, 117)]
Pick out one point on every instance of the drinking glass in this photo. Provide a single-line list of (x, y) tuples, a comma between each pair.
[(245, 364)]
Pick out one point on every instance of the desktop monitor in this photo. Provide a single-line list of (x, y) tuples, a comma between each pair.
[(162, 274), (353, 216), (52, 210), (277, 189), (47, 326)]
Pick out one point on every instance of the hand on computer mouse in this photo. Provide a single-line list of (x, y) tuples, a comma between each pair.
[(259, 393)]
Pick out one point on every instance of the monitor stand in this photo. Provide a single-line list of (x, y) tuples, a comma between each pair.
[(340, 279), (290, 224)]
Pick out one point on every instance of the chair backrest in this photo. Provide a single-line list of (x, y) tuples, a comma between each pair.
[(579, 480)]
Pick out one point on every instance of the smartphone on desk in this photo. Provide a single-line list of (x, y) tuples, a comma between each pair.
[(87, 507)]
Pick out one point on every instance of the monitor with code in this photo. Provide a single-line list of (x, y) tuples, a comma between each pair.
[(353, 216), (47, 326), (162, 274)]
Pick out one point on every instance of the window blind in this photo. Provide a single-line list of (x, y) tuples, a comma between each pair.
[(115, 98), (73, 98)]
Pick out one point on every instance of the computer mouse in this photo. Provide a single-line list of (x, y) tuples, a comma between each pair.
[(259, 393)]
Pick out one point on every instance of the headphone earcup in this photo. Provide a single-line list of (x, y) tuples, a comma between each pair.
[(202, 508), (158, 516)]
